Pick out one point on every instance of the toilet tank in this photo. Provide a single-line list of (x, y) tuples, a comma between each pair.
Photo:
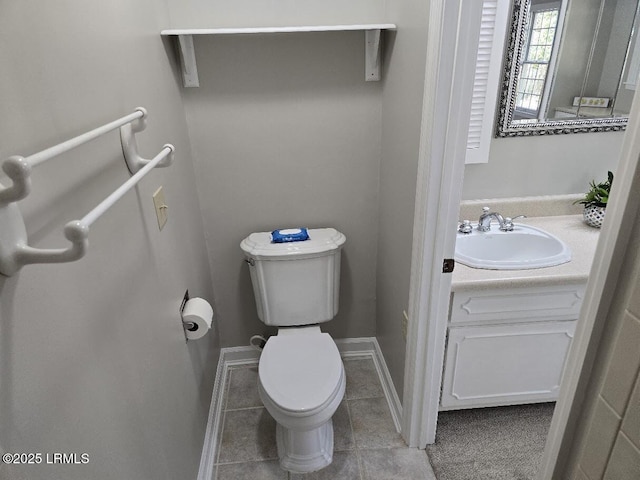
[(295, 283)]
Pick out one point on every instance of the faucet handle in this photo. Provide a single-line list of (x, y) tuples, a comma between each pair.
[(486, 209), (465, 227), (507, 226)]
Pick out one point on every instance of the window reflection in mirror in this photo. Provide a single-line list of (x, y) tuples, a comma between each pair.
[(540, 28)]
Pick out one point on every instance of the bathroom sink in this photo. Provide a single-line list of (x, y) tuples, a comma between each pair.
[(522, 248)]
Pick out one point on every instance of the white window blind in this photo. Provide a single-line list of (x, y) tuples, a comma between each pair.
[(487, 79)]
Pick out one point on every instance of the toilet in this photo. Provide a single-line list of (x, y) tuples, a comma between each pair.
[(301, 378)]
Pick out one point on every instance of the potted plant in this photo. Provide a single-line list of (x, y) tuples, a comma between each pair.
[(595, 201)]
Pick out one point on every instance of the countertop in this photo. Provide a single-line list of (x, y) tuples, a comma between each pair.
[(580, 238)]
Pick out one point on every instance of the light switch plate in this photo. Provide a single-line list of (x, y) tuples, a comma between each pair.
[(161, 207)]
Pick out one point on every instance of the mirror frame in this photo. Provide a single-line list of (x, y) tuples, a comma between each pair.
[(505, 126)]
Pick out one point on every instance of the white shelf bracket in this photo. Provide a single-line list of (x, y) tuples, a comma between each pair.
[(373, 52), (187, 55)]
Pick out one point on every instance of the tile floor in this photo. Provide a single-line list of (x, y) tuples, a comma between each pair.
[(366, 444)]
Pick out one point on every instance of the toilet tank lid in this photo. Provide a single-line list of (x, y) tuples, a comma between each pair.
[(321, 241)]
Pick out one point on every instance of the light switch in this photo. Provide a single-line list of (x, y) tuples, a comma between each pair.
[(161, 207)]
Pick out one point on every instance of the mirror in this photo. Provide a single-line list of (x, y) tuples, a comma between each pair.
[(571, 66)]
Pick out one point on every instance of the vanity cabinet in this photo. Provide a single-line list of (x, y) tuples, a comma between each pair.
[(508, 345)]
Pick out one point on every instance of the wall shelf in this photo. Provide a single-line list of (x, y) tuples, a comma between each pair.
[(184, 37)]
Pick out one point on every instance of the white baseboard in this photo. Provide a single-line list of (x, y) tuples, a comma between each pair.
[(234, 356), (352, 347), (228, 357)]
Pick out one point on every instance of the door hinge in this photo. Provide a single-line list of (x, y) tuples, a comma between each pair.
[(448, 265)]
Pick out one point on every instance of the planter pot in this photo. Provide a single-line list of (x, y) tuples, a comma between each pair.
[(593, 216)]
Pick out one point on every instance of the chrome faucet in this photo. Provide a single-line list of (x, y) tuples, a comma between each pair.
[(506, 223), (484, 222)]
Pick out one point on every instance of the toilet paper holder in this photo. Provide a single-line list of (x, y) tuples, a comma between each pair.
[(191, 326), (196, 315), (187, 325)]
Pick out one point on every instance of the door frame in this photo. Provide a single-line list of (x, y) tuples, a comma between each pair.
[(453, 32)]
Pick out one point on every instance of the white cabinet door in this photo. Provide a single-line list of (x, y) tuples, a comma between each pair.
[(505, 364)]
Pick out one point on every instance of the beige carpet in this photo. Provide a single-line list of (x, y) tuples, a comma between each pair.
[(501, 443)]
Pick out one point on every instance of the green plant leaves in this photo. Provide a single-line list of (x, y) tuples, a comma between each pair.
[(598, 194)]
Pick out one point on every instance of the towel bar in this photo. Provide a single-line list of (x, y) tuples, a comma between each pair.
[(14, 249)]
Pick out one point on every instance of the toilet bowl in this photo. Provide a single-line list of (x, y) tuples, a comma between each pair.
[(301, 384)]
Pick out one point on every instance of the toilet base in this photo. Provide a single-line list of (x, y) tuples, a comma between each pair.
[(305, 451)]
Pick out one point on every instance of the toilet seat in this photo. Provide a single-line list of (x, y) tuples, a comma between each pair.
[(301, 373)]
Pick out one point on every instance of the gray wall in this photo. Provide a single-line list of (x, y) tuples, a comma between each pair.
[(576, 43), (625, 95), (614, 57), (401, 119), (600, 50), (608, 56), (286, 133), (292, 113), (92, 353), (548, 165), (257, 13)]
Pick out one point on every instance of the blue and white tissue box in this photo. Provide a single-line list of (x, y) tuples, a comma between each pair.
[(289, 235)]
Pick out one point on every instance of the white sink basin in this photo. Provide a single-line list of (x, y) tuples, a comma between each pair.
[(524, 247)]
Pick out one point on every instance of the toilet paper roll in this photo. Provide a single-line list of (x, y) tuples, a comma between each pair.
[(196, 316)]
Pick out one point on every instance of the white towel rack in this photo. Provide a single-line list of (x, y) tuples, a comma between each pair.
[(14, 249)]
